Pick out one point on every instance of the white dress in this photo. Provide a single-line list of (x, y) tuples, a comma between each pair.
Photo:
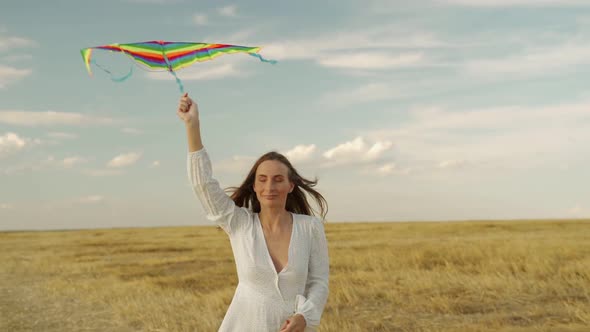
[(264, 299)]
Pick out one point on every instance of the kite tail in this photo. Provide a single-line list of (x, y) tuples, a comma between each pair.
[(262, 59), (116, 79)]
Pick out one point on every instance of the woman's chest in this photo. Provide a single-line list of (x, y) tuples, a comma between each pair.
[(278, 246), (286, 256)]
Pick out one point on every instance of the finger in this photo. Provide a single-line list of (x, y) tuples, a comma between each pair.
[(186, 104), (185, 99), (183, 106), (285, 326), (182, 114)]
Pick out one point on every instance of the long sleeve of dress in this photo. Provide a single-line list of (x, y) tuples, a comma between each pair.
[(316, 295), (219, 207)]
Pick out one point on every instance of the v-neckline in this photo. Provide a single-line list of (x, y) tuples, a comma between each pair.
[(268, 256)]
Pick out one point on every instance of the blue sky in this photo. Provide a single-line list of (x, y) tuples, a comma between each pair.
[(435, 110)]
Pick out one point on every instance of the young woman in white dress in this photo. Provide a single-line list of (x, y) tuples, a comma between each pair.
[(279, 246)]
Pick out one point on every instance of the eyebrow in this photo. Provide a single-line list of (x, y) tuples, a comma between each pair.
[(264, 175)]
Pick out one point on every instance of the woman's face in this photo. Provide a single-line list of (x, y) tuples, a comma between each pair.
[(272, 185)]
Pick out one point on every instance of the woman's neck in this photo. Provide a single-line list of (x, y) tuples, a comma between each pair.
[(274, 219)]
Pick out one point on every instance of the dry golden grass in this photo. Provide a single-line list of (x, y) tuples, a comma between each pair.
[(454, 276)]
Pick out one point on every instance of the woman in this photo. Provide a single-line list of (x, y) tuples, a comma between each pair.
[(280, 250)]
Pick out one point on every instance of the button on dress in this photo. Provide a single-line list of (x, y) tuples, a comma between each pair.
[(264, 298)]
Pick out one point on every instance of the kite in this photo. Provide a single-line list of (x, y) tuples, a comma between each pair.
[(168, 56)]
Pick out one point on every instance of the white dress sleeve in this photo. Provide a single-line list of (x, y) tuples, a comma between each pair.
[(311, 306), (219, 207)]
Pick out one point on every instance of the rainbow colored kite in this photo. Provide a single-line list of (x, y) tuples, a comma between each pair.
[(169, 56)]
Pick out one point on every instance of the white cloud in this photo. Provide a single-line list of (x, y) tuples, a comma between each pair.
[(373, 48), (49, 163), (349, 150), (386, 169), (202, 71), (62, 135), (330, 44), (70, 162), (300, 153), (9, 43), (518, 137), (355, 152), (533, 62), (377, 149), (5, 206), (506, 3), (10, 75), (124, 160), (53, 163), (155, 163), (11, 142), (378, 91), (230, 10), (372, 60), (50, 118), (200, 19), (226, 70)]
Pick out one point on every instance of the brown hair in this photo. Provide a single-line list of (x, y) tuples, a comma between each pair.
[(245, 196)]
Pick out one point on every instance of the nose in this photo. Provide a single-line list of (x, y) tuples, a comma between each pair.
[(269, 185)]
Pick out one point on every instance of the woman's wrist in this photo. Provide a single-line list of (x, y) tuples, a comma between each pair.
[(302, 318), (193, 124)]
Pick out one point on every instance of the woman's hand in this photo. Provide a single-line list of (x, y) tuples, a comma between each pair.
[(295, 323), (188, 110)]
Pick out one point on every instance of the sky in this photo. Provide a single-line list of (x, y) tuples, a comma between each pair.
[(430, 111)]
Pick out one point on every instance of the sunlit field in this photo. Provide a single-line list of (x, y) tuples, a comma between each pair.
[(451, 276)]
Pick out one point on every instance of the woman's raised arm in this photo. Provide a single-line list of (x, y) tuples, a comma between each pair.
[(219, 207), (188, 111)]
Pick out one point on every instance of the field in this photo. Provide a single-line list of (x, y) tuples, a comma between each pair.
[(448, 276)]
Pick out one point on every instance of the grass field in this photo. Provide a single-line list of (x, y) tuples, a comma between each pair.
[(447, 276)]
